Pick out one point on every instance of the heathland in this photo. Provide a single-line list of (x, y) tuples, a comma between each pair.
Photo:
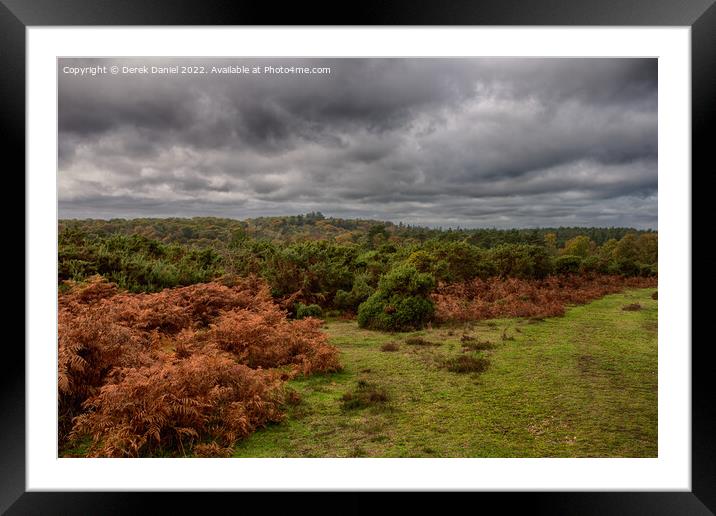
[(315, 336)]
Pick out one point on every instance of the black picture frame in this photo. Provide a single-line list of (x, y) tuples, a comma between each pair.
[(17, 15)]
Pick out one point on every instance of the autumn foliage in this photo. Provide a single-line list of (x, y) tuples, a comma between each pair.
[(191, 368), (513, 297)]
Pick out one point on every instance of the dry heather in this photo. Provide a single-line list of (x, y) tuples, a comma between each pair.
[(201, 365), (494, 298)]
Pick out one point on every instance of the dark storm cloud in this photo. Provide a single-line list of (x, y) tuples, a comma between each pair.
[(469, 142)]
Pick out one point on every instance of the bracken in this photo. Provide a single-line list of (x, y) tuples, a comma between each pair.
[(512, 297), (142, 373)]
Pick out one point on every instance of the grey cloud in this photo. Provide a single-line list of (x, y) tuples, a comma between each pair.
[(469, 142)]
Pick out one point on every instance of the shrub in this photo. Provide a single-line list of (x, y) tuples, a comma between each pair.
[(395, 313), (307, 311), (135, 262), (521, 261), (360, 291), (646, 270), (400, 303), (452, 261), (626, 267), (567, 264), (593, 264), (407, 281), (422, 261), (578, 246)]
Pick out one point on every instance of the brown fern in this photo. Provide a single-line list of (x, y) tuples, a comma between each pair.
[(512, 297), (159, 373)]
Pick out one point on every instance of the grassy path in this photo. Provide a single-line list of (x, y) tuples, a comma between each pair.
[(582, 385)]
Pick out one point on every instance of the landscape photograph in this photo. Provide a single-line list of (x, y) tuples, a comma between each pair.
[(357, 257)]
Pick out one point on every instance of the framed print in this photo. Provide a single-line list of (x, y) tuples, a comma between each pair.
[(416, 250)]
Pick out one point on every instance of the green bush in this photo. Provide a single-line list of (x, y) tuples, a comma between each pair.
[(395, 313), (303, 311), (592, 264), (452, 262), (647, 270), (360, 291), (568, 264), (401, 301), (627, 267), (578, 246), (422, 260), (407, 281), (135, 262), (524, 261)]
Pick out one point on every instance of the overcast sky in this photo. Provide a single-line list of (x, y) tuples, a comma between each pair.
[(437, 142)]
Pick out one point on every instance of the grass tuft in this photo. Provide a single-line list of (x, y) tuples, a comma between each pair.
[(365, 395), (292, 397), (419, 341), (390, 346), (477, 345), (466, 364)]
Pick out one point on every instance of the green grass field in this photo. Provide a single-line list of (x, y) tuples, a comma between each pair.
[(582, 385)]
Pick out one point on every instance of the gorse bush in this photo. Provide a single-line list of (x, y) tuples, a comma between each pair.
[(144, 372), (315, 269), (401, 301), (407, 281), (395, 313), (521, 261), (135, 263), (453, 261), (308, 311), (360, 291), (568, 264), (594, 264)]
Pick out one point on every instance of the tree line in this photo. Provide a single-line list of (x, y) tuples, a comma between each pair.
[(379, 271), (218, 232)]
